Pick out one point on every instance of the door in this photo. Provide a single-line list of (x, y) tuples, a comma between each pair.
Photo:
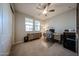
[(0, 20)]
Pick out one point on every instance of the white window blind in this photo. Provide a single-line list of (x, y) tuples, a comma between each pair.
[(37, 25), (32, 25), (28, 24)]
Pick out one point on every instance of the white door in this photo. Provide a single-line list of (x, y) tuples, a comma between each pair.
[(0, 20)]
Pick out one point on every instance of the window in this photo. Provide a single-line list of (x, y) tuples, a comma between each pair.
[(28, 24), (37, 25), (31, 25)]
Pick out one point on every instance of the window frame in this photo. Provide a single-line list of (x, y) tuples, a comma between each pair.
[(33, 25), (37, 25), (28, 24)]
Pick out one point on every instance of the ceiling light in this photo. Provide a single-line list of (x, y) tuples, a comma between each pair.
[(44, 12)]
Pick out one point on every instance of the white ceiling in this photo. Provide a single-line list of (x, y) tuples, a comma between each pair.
[(30, 9)]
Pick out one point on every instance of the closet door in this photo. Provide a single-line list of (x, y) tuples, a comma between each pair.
[(5, 29), (0, 20)]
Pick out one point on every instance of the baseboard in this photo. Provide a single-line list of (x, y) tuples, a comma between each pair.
[(4, 54), (18, 42)]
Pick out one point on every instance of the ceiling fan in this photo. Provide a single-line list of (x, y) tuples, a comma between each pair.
[(45, 8)]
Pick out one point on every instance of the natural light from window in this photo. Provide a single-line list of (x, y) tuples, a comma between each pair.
[(28, 24), (32, 25), (37, 25)]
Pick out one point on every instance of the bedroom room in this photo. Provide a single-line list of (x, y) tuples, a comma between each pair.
[(38, 29)]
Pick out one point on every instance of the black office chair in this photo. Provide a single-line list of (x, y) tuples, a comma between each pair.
[(49, 35)]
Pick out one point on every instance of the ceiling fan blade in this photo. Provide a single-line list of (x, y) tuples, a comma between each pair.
[(52, 10), (49, 4), (39, 8), (46, 5)]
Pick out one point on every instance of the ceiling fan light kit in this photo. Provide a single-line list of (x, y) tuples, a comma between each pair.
[(45, 8), (44, 12)]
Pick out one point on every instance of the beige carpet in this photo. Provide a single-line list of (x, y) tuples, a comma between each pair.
[(40, 48)]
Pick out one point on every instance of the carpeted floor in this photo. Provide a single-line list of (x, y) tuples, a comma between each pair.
[(40, 48)]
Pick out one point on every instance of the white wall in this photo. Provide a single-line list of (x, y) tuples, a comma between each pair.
[(20, 27), (20, 23), (6, 36), (66, 20)]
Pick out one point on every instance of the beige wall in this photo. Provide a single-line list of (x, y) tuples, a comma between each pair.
[(20, 27), (6, 35), (62, 21)]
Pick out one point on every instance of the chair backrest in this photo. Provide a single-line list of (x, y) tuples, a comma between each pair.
[(52, 30)]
